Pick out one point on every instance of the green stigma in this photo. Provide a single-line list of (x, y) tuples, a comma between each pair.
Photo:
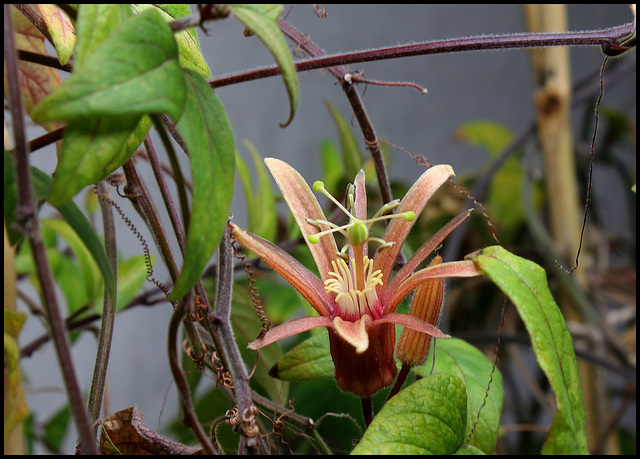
[(357, 232)]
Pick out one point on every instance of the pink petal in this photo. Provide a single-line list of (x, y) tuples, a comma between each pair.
[(303, 204), (290, 328), (465, 268), (360, 202), (415, 200), (294, 272), (423, 252), (412, 322), (354, 333)]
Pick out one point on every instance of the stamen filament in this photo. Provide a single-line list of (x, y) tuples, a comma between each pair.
[(387, 207), (315, 238), (318, 187)]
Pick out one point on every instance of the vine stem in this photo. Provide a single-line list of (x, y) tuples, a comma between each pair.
[(27, 217), (96, 393), (181, 382), (606, 37), (226, 343)]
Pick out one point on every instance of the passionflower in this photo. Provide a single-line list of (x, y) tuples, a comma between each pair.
[(356, 295)]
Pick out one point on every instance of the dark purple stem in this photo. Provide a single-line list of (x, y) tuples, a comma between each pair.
[(27, 216), (607, 38)]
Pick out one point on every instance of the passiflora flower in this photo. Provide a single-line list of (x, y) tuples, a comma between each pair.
[(356, 295)]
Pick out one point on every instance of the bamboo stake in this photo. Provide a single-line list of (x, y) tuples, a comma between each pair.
[(553, 103)]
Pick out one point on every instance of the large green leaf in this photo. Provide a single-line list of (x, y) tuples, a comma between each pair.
[(428, 417), (209, 140), (142, 75), (262, 21), (457, 357), (188, 46), (93, 148), (104, 109), (525, 283), (94, 24)]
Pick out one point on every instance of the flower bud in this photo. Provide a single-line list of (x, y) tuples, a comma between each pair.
[(413, 346)]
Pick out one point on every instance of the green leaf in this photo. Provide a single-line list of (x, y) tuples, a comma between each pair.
[(132, 274), (71, 213), (142, 75), (525, 283), (269, 10), (56, 429), (488, 135), (309, 360), (262, 21), (88, 267), (70, 279), (261, 202), (188, 46), (350, 151), (95, 24), (457, 357), (207, 134), (93, 149), (61, 31), (506, 209), (428, 417), (332, 167)]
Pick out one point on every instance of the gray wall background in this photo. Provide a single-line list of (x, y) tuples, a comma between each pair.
[(462, 87)]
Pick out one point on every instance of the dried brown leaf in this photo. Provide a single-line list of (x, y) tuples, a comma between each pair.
[(125, 433)]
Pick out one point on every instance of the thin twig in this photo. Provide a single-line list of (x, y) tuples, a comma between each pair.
[(27, 217), (44, 59)]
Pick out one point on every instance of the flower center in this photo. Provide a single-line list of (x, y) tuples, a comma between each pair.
[(356, 231), (352, 302)]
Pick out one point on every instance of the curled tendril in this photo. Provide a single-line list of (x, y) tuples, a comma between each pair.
[(223, 376), (197, 359)]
